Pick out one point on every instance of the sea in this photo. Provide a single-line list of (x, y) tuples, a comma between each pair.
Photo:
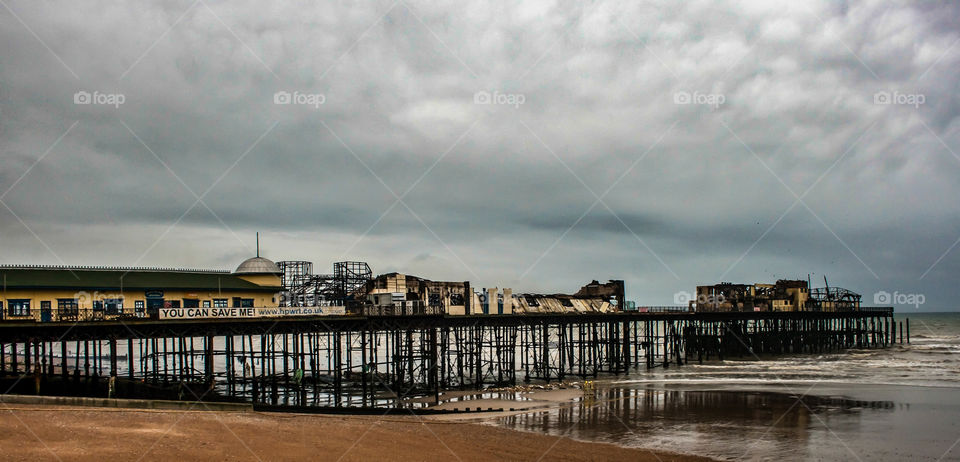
[(898, 403)]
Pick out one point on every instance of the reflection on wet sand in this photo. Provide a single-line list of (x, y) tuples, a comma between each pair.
[(717, 423)]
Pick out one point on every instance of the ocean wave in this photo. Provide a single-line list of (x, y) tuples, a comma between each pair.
[(938, 351), (924, 337), (941, 344)]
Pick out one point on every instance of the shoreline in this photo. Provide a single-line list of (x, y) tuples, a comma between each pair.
[(42, 432)]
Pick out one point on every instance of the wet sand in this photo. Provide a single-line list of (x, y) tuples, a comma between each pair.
[(35, 432), (735, 421)]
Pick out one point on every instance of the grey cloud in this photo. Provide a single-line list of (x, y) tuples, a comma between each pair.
[(599, 83)]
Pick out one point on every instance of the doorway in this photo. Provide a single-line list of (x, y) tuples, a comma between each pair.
[(46, 313)]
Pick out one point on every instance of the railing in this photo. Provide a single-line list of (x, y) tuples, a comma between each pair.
[(663, 309), (841, 309), (73, 315), (112, 268), (876, 309), (852, 309), (87, 314), (400, 310)]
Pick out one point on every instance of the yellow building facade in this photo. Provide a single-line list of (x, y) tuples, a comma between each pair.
[(57, 294)]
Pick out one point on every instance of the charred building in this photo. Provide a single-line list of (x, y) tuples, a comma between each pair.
[(396, 294), (784, 295)]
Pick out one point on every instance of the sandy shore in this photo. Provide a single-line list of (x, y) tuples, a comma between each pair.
[(34, 432)]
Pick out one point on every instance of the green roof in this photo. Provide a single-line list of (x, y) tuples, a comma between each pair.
[(128, 279)]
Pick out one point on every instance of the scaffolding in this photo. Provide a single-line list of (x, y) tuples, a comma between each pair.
[(351, 276), (833, 299), (293, 271), (303, 288)]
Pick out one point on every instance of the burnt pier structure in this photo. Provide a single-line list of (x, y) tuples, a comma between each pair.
[(400, 361)]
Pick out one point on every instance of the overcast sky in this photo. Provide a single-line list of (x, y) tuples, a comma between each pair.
[(534, 146)]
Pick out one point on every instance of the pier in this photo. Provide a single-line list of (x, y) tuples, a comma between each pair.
[(362, 362)]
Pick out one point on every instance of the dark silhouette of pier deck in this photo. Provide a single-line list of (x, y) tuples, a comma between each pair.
[(398, 361)]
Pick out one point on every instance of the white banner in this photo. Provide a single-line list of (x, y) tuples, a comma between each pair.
[(231, 313)]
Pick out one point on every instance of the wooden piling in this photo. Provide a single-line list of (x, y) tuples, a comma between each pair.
[(113, 356)]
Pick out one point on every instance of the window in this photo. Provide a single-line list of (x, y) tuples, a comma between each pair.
[(237, 301), (191, 303), (219, 303), (18, 307), (114, 305), (171, 304), (246, 303), (67, 308), (138, 307), (206, 303), (98, 305)]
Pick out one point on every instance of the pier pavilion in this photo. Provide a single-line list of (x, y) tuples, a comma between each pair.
[(79, 293)]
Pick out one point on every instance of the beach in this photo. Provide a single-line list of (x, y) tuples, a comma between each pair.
[(36, 432), (898, 403)]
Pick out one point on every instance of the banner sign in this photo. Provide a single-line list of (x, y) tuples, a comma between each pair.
[(247, 313)]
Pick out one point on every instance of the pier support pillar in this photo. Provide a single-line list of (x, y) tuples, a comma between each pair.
[(113, 356), (626, 346), (208, 360)]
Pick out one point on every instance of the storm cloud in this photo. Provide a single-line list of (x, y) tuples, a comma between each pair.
[(534, 146)]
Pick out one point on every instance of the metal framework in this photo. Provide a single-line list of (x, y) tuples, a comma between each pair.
[(398, 361), (293, 272), (836, 297), (350, 276), (303, 288)]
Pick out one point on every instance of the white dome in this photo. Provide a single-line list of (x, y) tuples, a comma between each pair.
[(257, 265)]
